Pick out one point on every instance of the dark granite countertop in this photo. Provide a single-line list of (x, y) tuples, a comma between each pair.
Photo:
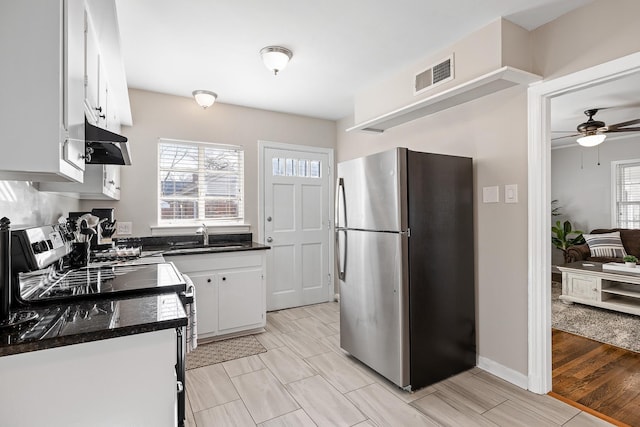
[(92, 320), (213, 248), (194, 244)]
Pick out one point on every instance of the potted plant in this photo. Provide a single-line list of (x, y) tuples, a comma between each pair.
[(561, 237), (630, 261)]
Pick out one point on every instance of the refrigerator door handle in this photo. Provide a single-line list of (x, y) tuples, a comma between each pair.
[(340, 197), (341, 256)]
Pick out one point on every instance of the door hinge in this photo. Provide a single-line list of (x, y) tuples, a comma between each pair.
[(262, 276), (329, 275)]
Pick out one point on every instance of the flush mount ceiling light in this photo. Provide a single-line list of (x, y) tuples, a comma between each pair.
[(204, 98), (591, 140), (275, 58)]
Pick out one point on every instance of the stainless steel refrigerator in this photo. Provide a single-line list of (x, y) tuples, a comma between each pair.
[(405, 253)]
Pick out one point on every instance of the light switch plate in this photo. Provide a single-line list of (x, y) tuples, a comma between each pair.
[(511, 193), (491, 194), (124, 228)]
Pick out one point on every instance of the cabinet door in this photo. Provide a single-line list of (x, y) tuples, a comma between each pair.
[(242, 299), (91, 70), (206, 302), (111, 185), (584, 287), (103, 96)]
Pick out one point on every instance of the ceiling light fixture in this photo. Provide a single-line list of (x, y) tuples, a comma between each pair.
[(204, 98), (591, 140), (275, 58)]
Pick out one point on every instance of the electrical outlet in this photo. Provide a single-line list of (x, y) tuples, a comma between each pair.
[(123, 228)]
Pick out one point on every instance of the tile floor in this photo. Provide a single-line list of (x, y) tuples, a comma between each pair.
[(305, 379)]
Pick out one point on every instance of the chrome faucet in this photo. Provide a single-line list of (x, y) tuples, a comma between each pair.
[(205, 233)]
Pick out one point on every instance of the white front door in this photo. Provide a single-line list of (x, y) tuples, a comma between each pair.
[(296, 219)]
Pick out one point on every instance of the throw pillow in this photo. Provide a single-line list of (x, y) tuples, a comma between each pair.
[(605, 245)]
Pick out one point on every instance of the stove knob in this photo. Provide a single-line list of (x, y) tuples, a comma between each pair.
[(36, 247), (44, 247)]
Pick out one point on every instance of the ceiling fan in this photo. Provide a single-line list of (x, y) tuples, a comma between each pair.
[(593, 132)]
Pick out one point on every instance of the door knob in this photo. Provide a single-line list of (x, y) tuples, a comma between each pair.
[(268, 219), (269, 239)]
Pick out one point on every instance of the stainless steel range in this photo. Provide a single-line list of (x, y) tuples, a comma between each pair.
[(43, 274)]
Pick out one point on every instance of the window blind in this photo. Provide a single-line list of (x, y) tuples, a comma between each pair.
[(200, 182), (627, 193)]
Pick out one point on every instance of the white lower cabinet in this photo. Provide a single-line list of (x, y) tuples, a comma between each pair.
[(230, 290), (123, 381), (206, 298), (241, 300)]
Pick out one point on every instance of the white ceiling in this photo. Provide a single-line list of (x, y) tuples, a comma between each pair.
[(618, 99), (339, 46)]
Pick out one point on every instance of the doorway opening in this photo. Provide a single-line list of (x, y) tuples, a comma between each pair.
[(540, 342)]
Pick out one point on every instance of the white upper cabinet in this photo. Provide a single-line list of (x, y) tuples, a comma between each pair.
[(42, 86), (91, 71), (107, 95), (101, 182), (59, 68)]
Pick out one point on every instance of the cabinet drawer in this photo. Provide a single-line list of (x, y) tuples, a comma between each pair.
[(580, 286)]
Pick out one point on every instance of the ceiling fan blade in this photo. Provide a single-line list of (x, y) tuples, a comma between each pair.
[(563, 131), (623, 124), (566, 136), (623, 130)]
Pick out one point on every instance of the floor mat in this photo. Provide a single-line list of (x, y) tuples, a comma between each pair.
[(222, 351)]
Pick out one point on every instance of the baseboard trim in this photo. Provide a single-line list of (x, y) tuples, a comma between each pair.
[(501, 371)]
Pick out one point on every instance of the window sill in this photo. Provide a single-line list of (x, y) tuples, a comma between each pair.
[(169, 229)]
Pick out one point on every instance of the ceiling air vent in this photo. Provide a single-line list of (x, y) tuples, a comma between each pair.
[(434, 75)]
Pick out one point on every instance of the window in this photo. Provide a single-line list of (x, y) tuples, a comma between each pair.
[(296, 167), (200, 182), (626, 193)]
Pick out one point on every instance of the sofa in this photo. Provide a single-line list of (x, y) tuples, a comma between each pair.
[(630, 240)]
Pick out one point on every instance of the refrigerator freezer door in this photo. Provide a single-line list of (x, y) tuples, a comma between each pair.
[(372, 193), (374, 302)]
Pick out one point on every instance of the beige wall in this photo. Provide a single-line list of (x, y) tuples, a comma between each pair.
[(164, 116), (596, 33), (498, 44), (493, 131)]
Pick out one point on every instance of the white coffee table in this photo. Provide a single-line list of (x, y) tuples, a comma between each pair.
[(586, 282)]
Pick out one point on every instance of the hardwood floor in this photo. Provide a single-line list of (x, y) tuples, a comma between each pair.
[(598, 376), (305, 379)]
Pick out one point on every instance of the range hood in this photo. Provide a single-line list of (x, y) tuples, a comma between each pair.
[(103, 147)]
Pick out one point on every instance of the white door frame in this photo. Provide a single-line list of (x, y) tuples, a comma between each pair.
[(539, 189), (262, 145)]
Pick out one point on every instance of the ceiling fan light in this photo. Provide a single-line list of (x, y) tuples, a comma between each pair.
[(275, 58), (591, 140), (204, 98)]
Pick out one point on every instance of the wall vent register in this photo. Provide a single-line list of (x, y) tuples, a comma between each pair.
[(436, 74)]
